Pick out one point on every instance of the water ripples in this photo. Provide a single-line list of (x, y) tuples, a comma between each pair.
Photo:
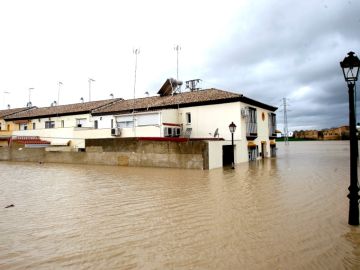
[(283, 213)]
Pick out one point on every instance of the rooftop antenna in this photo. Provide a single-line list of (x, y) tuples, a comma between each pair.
[(4, 99), (177, 48), (135, 52), (8, 106), (147, 93), (59, 87), (90, 81), (29, 103), (82, 100), (192, 84), (111, 95)]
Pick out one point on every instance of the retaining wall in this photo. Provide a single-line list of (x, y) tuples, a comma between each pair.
[(120, 152)]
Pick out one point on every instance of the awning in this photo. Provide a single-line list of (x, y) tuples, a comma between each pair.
[(263, 141), (251, 145), (272, 143), (278, 131)]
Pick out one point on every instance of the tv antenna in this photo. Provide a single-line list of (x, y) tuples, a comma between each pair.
[(90, 81), (192, 84), (177, 48), (135, 52), (29, 104), (59, 87)]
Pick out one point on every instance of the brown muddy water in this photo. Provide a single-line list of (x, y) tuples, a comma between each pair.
[(284, 213)]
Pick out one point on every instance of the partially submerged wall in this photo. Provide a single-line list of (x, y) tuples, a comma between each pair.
[(148, 153), (120, 152)]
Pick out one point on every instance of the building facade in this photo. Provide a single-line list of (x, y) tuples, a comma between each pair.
[(193, 115)]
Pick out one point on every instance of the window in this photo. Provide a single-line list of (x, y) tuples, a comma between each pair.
[(34, 125), (188, 118), (172, 132), (251, 123), (112, 123), (49, 124), (272, 125), (167, 132), (126, 121), (125, 124), (80, 122), (151, 119), (23, 126), (62, 123), (96, 124)]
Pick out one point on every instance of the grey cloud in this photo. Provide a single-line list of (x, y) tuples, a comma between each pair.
[(279, 47)]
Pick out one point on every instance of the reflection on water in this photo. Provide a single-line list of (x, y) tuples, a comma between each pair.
[(284, 213)]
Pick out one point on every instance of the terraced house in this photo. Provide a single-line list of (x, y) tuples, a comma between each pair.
[(63, 125), (7, 128), (170, 116)]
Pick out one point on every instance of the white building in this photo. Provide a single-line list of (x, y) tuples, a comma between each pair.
[(201, 114)]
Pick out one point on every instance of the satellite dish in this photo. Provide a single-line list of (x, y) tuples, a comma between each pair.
[(216, 133)]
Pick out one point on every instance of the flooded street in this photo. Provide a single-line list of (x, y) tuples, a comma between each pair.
[(285, 213)]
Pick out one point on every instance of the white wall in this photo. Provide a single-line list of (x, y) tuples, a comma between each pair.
[(206, 119)]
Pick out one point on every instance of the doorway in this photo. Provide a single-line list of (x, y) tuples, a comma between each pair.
[(227, 155), (263, 149)]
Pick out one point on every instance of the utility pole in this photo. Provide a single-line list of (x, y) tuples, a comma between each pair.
[(286, 130)]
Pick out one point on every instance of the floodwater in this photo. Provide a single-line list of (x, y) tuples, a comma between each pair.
[(285, 213)]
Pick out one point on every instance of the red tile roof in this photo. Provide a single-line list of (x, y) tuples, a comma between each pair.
[(69, 109), (156, 102), (185, 99), (4, 113), (112, 106)]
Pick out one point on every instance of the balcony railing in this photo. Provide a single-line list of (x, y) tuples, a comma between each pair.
[(251, 131), (272, 132)]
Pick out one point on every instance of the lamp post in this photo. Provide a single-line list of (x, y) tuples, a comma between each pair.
[(232, 128), (350, 66)]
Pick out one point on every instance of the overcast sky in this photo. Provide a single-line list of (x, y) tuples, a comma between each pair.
[(265, 49)]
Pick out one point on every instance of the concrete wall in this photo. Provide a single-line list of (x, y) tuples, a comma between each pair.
[(121, 152), (133, 152)]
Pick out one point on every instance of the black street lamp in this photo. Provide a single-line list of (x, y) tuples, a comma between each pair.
[(232, 128), (350, 66)]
